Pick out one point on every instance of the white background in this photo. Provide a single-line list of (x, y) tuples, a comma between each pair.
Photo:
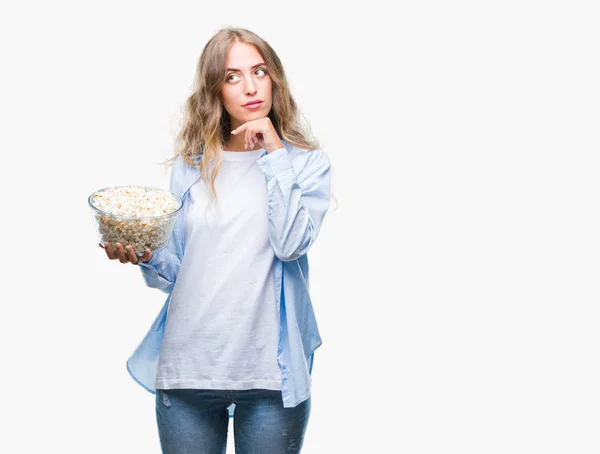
[(455, 283)]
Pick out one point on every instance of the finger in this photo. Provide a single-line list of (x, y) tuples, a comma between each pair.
[(247, 139), (146, 257), (251, 137), (131, 255), (121, 253), (109, 251), (239, 129), (261, 142)]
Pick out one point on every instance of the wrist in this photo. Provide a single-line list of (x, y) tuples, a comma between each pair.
[(274, 146)]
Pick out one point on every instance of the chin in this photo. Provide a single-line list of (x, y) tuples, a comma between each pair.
[(246, 116), (253, 115)]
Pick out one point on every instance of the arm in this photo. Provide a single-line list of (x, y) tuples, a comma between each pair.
[(162, 268), (296, 203)]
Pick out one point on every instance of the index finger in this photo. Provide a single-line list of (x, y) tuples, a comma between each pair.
[(110, 251), (240, 128)]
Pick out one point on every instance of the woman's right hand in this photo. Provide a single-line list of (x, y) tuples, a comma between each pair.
[(125, 254)]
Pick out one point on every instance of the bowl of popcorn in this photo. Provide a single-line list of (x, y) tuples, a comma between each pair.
[(139, 216)]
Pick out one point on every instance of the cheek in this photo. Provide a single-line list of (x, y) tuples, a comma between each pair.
[(268, 88), (231, 94), (226, 95)]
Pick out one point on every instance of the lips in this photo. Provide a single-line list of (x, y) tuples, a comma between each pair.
[(252, 103)]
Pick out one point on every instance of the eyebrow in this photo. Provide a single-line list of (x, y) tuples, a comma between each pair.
[(255, 66)]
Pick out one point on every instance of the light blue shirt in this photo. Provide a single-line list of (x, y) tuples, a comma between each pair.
[(298, 187)]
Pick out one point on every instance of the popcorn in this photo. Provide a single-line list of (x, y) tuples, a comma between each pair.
[(138, 216)]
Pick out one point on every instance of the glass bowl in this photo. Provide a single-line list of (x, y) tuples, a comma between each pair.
[(141, 232)]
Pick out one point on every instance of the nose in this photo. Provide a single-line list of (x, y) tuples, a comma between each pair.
[(250, 88)]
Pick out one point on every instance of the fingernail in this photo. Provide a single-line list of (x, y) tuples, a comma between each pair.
[(233, 132)]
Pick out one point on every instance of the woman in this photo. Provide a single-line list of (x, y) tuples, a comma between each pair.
[(237, 332)]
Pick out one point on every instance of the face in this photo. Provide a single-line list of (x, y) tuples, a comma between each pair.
[(247, 80)]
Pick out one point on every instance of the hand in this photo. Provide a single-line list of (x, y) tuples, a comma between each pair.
[(260, 132), (126, 254)]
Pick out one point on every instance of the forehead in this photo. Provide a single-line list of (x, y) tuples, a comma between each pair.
[(243, 55)]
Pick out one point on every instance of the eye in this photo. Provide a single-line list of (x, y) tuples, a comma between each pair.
[(230, 76), (264, 71)]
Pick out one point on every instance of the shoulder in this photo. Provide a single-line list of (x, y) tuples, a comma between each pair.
[(182, 175), (181, 167), (178, 167)]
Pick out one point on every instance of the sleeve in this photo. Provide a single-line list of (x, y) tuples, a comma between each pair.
[(296, 203), (162, 269)]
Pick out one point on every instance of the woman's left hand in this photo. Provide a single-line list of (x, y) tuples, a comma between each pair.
[(260, 132)]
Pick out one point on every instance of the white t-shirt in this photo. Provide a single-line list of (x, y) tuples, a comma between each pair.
[(221, 330)]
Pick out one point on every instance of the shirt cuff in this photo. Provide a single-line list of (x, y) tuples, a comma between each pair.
[(275, 162)]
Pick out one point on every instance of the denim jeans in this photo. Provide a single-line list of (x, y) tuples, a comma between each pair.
[(195, 421)]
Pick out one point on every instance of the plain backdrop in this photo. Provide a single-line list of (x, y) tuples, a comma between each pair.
[(455, 281)]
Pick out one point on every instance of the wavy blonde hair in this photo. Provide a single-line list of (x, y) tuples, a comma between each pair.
[(207, 125)]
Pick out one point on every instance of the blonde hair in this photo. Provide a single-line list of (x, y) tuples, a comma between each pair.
[(207, 125)]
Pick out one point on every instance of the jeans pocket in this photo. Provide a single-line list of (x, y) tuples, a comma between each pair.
[(162, 399)]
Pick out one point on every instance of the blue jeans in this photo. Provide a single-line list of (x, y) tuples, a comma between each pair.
[(195, 421)]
